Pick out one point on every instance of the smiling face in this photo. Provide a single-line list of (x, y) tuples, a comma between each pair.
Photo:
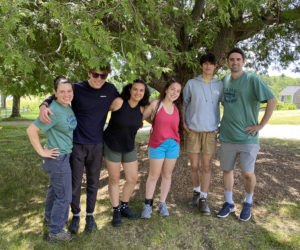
[(64, 93), (137, 92), (236, 62), (173, 92), (97, 78)]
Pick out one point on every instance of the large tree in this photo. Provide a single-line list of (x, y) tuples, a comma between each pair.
[(153, 39)]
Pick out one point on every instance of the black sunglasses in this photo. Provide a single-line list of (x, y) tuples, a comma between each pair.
[(96, 75)]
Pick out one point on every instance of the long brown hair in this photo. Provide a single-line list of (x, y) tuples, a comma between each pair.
[(178, 104)]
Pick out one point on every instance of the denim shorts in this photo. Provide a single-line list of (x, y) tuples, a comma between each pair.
[(169, 149)]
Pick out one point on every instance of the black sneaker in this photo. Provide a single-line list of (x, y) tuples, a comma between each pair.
[(203, 207), (74, 225), (117, 219), (127, 212), (195, 199), (90, 223)]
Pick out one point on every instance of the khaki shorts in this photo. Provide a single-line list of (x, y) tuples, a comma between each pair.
[(201, 142)]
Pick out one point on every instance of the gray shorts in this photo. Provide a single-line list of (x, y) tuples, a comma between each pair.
[(230, 152)]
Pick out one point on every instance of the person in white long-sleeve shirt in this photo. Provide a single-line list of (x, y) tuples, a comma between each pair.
[(201, 109)]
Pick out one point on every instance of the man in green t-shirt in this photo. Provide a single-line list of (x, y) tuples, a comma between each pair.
[(243, 93)]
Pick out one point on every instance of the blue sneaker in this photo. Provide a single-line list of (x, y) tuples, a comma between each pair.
[(226, 210), (246, 211)]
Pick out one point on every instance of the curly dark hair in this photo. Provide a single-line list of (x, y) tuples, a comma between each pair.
[(125, 94), (208, 57), (178, 104)]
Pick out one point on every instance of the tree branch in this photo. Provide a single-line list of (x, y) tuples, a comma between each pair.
[(58, 49), (198, 10)]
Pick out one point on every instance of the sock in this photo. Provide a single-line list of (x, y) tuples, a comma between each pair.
[(116, 208), (123, 205), (197, 189), (203, 195), (89, 214), (228, 197), (149, 202), (249, 198), (76, 215)]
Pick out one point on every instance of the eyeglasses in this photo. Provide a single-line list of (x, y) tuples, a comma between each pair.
[(96, 75)]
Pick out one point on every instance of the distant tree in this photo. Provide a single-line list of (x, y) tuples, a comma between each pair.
[(153, 39)]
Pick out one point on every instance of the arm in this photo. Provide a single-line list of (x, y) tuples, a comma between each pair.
[(149, 111), (185, 127), (33, 135), (116, 104), (271, 103), (45, 111)]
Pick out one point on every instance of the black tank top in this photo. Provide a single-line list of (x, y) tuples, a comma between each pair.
[(121, 131)]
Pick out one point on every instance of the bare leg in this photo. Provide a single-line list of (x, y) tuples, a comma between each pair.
[(154, 173), (131, 175), (166, 178), (206, 172), (194, 159), (228, 180), (114, 180), (249, 181)]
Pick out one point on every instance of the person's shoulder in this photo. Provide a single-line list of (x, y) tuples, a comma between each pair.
[(225, 78), (253, 77), (80, 83)]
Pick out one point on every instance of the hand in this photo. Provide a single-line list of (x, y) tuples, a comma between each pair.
[(44, 114), (50, 153), (253, 129), (185, 127), (218, 130)]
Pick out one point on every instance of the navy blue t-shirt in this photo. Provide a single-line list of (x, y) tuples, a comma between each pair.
[(90, 107)]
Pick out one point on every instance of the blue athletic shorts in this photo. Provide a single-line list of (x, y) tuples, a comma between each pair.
[(169, 149)]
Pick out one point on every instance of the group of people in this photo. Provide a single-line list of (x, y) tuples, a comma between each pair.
[(194, 108)]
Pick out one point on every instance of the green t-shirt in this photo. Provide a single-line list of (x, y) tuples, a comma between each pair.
[(242, 98), (59, 131)]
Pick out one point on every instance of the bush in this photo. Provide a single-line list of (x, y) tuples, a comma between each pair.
[(283, 106)]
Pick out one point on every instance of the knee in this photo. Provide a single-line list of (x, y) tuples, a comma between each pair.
[(152, 178), (132, 179), (194, 167), (114, 180), (248, 176), (166, 177), (206, 168)]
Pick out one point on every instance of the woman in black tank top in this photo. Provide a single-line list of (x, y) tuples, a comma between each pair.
[(119, 146)]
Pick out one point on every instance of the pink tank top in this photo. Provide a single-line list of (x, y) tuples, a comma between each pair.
[(165, 127)]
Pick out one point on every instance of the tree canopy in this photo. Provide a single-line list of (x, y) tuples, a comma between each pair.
[(150, 39)]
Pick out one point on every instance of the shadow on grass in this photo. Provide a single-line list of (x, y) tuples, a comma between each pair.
[(23, 190)]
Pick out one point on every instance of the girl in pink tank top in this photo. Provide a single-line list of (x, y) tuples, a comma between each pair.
[(165, 116)]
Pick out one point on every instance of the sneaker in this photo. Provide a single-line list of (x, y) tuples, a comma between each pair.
[(203, 207), (74, 225), (90, 223), (117, 219), (62, 236), (127, 212), (226, 210), (147, 210), (195, 199), (163, 211), (246, 211)]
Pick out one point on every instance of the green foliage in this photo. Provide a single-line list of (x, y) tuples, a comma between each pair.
[(283, 106), (153, 39)]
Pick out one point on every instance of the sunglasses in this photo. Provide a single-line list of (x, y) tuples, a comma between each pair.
[(96, 75)]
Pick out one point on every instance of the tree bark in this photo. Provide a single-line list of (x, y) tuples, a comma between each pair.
[(16, 106), (3, 101)]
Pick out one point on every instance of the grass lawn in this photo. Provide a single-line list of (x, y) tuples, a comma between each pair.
[(23, 187)]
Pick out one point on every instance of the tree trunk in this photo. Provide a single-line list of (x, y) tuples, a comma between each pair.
[(16, 106), (3, 101)]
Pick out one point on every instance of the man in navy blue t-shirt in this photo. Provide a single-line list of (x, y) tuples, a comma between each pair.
[(91, 102)]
